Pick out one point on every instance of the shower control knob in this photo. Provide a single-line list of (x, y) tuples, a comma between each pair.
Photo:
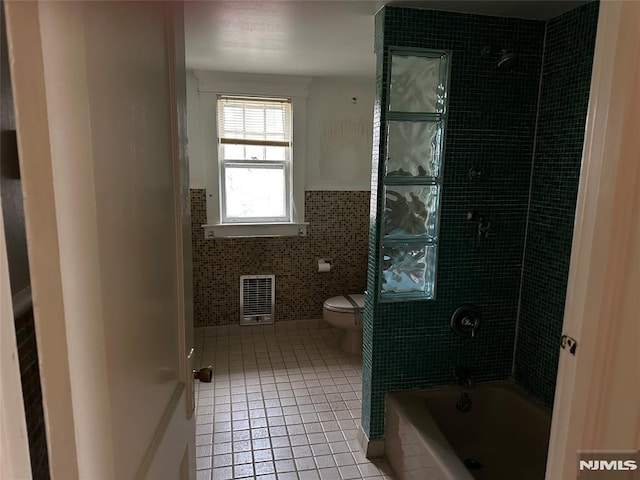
[(465, 321), (474, 173)]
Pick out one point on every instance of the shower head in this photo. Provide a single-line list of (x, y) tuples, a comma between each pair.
[(507, 61), (504, 60)]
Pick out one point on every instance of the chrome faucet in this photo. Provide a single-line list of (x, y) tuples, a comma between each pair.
[(483, 225), (465, 376), (464, 403), (472, 323), (465, 321)]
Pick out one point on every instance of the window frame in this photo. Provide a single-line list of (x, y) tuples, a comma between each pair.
[(267, 165), (285, 166), (210, 86)]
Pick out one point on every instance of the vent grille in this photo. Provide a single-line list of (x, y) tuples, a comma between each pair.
[(257, 299)]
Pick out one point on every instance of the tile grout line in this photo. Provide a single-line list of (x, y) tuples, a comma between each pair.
[(307, 379)]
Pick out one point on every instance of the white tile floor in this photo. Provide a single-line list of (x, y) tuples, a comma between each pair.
[(284, 404)]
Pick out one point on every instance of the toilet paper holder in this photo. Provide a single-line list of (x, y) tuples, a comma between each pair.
[(323, 264)]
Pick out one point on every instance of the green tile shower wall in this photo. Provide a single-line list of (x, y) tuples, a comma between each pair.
[(491, 128), (566, 77)]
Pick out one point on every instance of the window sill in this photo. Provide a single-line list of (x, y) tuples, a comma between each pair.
[(241, 230)]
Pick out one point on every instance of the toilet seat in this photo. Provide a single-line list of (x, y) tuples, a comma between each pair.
[(341, 304)]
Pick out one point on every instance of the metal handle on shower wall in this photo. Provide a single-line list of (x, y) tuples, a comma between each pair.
[(465, 321), (471, 323), (483, 225)]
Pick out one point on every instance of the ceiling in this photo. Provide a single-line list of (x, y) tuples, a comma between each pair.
[(312, 37)]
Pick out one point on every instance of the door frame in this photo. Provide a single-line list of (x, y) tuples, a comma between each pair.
[(24, 42), (597, 393), (15, 460)]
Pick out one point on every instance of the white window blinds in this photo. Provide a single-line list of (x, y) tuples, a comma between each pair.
[(254, 121)]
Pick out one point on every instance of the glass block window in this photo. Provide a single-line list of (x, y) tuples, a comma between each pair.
[(417, 82), (412, 181), (411, 211), (414, 149), (406, 270)]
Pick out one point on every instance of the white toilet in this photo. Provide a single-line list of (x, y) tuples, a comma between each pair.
[(346, 313)]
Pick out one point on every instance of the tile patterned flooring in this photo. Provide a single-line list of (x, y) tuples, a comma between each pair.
[(284, 404)]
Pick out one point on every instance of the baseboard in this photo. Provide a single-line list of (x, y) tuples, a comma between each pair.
[(236, 329), (370, 448)]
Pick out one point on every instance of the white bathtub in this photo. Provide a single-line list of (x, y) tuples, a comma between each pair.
[(427, 437)]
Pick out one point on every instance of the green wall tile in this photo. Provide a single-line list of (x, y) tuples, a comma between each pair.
[(491, 128), (566, 78)]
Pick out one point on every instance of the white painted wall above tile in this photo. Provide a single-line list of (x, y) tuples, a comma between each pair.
[(339, 133), (338, 128), (196, 160)]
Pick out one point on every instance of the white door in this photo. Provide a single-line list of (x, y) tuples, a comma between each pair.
[(99, 101)]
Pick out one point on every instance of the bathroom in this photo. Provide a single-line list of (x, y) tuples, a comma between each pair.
[(497, 260), (511, 144)]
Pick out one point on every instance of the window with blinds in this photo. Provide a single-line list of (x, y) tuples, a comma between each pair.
[(254, 142)]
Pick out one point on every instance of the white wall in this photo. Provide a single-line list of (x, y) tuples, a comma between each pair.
[(339, 133), (339, 129), (196, 160)]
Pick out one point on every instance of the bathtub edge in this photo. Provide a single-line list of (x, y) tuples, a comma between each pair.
[(446, 465)]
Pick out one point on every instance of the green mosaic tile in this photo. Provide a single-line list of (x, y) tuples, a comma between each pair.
[(566, 77), (370, 298), (490, 129)]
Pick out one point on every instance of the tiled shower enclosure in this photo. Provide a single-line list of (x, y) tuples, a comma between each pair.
[(512, 153)]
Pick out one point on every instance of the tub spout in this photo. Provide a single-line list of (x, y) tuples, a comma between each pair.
[(464, 403), (465, 376)]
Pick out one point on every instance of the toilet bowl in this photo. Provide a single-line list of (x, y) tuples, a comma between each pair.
[(346, 313)]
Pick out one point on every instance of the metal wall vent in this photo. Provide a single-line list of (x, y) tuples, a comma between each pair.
[(257, 299)]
